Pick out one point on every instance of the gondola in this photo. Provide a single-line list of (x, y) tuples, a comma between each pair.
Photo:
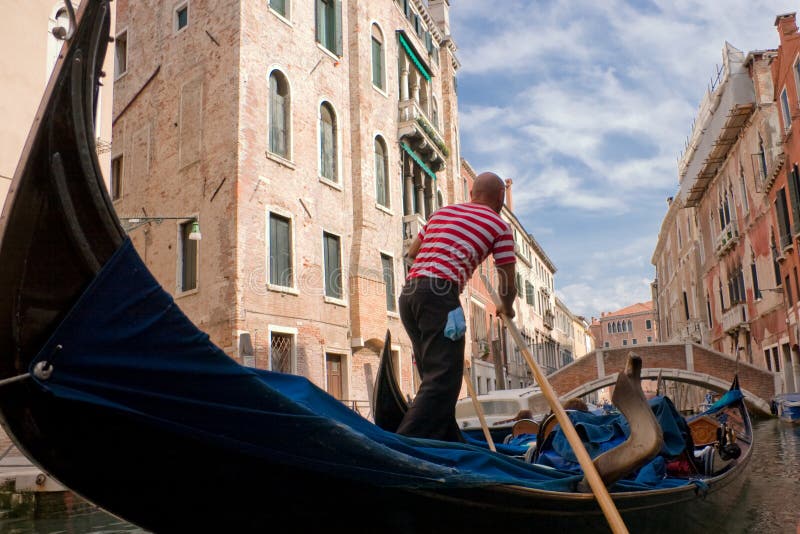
[(109, 388)]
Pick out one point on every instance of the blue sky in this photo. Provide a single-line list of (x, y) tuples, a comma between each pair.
[(586, 105)]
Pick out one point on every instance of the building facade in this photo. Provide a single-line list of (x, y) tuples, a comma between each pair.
[(627, 327), (722, 277), (25, 73), (309, 140)]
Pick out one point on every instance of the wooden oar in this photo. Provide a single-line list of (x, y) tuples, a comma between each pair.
[(478, 410), (589, 471)]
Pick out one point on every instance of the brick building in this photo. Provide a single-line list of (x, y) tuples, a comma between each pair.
[(724, 258), (784, 195), (626, 327), (307, 139)]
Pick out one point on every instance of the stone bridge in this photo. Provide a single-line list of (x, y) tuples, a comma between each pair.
[(681, 362)]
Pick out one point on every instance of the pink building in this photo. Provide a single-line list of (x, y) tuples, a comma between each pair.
[(629, 326)]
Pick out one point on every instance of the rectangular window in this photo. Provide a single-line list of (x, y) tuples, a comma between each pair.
[(776, 360), (377, 63), (181, 17), (685, 305), (280, 352), (754, 275), (333, 265), (794, 197), (388, 280), (788, 289), (649, 339), (280, 7), (634, 341), (121, 54), (606, 344), (787, 116), (529, 293), (280, 251), (624, 341), (767, 360), (648, 324), (520, 294), (783, 218), (329, 25), (188, 258), (116, 178)]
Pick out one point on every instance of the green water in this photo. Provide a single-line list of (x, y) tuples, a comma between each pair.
[(766, 500)]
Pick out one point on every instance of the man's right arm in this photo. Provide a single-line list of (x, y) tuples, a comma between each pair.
[(507, 288)]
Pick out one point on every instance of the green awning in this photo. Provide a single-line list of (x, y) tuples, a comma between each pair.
[(414, 57), (418, 160)]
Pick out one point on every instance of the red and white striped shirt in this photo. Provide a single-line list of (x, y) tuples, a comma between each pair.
[(458, 238)]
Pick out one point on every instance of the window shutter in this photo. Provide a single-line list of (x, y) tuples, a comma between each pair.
[(320, 13), (337, 37), (794, 196)]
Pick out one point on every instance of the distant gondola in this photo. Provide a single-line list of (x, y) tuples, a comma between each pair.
[(108, 387)]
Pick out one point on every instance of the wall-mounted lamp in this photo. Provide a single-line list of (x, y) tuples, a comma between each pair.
[(131, 223)]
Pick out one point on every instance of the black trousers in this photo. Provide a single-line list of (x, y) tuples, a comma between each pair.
[(424, 306)]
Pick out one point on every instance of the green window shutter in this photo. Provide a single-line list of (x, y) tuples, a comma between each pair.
[(377, 63), (280, 259), (794, 195), (320, 15), (327, 134), (381, 193), (337, 29), (388, 280), (333, 273)]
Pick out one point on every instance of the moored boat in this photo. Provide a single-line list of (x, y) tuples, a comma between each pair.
[(108, 387), (787, 407)]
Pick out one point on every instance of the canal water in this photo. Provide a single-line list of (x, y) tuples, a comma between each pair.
[(766, 500)]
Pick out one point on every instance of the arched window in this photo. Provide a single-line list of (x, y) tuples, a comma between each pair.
[(624, 327), (613, 328), (279, 114), (327, 143), (377, 58), (381, 173), (630, 326), (435, 112), (609, 327)]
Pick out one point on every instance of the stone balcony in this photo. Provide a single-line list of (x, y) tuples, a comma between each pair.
[(548, 319), (735, 318), (416, 130), (412, 224), (726, 239)]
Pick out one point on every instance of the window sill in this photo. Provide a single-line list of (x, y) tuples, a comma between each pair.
[(281, 160), (331, 183), (178, 31), (384, 209), (189, 292), (281, 18), (335, 301), (393, 315), (283, 289), (120, 76), (328, 53), (382, 92)]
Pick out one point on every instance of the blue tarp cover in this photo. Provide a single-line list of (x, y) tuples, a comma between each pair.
[(126, 346)]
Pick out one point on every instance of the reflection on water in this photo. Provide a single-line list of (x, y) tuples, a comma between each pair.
[(764, 500)]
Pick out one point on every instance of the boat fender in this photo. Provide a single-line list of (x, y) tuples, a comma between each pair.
[(731, 451)]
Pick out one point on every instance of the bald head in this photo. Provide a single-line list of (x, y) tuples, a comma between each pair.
[(489, 189)]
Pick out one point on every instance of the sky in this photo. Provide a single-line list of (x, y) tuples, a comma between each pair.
[(586, 106)]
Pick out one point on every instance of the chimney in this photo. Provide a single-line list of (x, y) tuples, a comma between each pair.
[(509, 199), (786, 24), (440, 12)]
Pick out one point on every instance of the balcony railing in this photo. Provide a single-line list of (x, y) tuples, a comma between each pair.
[(727, 238), (412, 224), (734, 317), (415, 127), (362, 407), (548, 319)]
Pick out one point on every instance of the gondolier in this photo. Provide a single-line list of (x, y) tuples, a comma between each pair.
[(446, 252)]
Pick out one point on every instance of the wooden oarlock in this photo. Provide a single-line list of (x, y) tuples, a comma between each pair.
[(589, 471)]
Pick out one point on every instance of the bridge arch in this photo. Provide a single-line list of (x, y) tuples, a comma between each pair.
[(688, 363)]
